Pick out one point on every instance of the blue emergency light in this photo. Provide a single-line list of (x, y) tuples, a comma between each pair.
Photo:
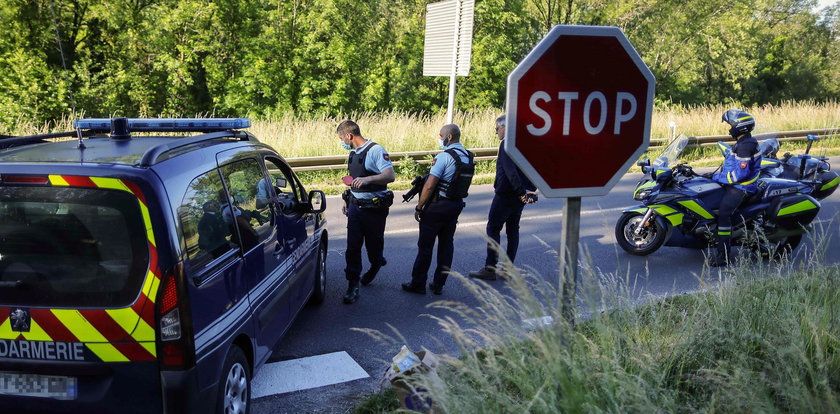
[(166, 124)]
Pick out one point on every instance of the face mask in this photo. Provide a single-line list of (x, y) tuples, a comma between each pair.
[(346, 146), (442, 143)]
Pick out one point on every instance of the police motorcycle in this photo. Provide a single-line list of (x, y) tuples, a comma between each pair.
[(795, 167), (679, 208)]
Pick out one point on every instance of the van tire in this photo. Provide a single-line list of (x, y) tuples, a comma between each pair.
[(319, 290), (235, 384)]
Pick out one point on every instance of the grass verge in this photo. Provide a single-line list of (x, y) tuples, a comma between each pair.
[(763, 337)]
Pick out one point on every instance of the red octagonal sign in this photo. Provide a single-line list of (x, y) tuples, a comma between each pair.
[(578, 110)]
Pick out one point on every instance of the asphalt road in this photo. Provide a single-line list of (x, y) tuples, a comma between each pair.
[(382, 305)]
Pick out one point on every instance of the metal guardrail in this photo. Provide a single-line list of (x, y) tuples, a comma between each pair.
[(337, 162)]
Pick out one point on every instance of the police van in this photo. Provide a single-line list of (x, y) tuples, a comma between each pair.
[(149, 265)]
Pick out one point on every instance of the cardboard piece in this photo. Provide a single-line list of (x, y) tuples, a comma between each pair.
[(407, 363)]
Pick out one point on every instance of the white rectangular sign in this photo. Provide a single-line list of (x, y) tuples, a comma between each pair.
[(449, 26)]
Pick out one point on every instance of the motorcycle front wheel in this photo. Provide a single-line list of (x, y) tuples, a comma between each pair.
[(643, 243)]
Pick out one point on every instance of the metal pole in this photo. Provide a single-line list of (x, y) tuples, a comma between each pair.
[(569, 239), (451, 106)]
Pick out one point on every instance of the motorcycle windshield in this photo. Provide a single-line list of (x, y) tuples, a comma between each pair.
[(670, 155), (768, 146)]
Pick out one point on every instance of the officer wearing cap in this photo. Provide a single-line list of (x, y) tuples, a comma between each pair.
[(440, 203), (368, 201), (739, 176), (512, 191)]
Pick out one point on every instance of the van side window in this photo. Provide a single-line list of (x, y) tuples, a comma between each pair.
[(204, 229), (284, 184), (247, 208)]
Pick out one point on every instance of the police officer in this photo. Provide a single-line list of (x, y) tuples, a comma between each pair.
[(512, 191), (368, 200), (739, 175), (440, 203)]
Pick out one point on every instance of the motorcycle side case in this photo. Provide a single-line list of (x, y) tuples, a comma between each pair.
[(792, 212), (828, 183), (770, 188)]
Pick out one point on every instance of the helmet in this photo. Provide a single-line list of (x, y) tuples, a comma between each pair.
[(740, 121)]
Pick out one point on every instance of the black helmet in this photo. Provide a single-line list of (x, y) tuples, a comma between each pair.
[(740, 121)]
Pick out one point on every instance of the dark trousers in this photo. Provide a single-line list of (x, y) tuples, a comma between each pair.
[(732, 199), (439, 222), (504, 211), (365, 226)]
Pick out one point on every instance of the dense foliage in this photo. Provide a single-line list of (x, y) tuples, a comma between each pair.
[(269, 57)]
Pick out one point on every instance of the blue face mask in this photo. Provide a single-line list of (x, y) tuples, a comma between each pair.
[(346, 146), (442, 143)]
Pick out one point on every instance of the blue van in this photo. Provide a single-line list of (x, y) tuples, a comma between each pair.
[(146, 271)]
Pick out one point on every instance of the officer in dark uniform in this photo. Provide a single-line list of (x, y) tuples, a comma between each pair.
[(368, 200), (441, 202), (739, 175), (512, 191)]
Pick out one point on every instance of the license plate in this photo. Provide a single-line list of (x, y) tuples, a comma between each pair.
[(32, 385)]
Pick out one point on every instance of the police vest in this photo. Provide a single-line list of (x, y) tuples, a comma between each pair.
[(459, 186), (742, 173), (356, 166)]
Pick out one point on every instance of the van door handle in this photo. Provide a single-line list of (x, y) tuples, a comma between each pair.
[(278, 250)]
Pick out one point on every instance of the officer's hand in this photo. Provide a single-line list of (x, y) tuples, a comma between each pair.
[(359, 182), (344, 210), (524, 198), (531, 196), (418, 214)]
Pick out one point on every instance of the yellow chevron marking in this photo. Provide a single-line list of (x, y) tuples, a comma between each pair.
[(126, 318), (58, 180), (111, 183), (148, 221), (6, 331), (82, 329), (150, 286), (36, 333), (149, 346), (143, 332), (107, 352)]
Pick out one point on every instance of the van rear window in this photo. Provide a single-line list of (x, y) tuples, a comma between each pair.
[(70, 247)]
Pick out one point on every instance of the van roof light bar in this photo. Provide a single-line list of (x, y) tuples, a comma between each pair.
[(166, 124)]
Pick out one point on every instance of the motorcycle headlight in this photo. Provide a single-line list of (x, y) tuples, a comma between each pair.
[(641, 195)]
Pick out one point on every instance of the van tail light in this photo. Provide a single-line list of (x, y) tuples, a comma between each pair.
[(24, 179), (175, 345)]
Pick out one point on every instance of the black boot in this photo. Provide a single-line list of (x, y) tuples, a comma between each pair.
[(352, 293), (724, 250), (371, 273)]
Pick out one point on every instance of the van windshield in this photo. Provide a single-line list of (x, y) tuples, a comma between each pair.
[(70, 247)]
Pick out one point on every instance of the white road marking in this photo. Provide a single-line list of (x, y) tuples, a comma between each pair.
[(306, 373), (414, 229)]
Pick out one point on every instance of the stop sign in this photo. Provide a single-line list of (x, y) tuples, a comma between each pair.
[(578, 110)]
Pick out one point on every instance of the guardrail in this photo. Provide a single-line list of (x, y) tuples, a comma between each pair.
[(336, 162)]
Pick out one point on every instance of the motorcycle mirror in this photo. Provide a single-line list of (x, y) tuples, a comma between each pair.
[(643, 163), (812, 137)]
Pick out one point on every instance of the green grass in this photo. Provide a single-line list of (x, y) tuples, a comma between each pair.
[(765, 338)]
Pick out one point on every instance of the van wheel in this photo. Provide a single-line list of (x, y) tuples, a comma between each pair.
[(235, 384), (319, 291)]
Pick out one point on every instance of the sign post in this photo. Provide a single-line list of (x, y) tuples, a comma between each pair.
[(578, 108)]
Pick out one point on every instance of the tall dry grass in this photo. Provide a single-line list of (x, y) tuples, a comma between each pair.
[(296, 135), (758, 337)]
